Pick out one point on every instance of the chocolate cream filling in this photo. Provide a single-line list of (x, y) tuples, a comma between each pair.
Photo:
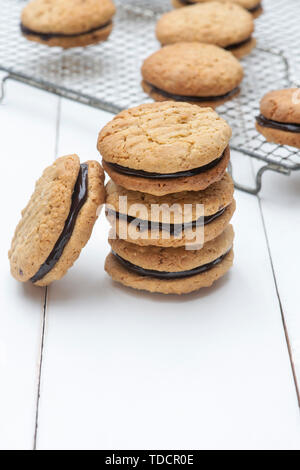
[(196, 99), (79, 198), (164, 275), (232, 47), (255, 9), (281, 126), (173, 229), (251, 10), (48, 36), (145, 174)]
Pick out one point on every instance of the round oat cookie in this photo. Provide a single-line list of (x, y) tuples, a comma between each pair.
[(204, 74), (173, 260), (253, 6), (177, 209), (214, 198), (178, 286), (282, 105), (279, 137), (224, 24), (164, 137), (163, 186), (67, 23), (44, 220), (279, 121), (159, 237)]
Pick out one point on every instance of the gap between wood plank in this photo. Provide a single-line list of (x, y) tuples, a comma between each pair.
[(40, 370), (285, 329), (44, 320), (287, 338)]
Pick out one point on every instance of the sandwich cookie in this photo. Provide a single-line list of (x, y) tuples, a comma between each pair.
[(279, 119), (166, 147), (58, 221), (201, 74), (67, 23), (170, 270), (253, 6), (174, 220), (223, 24)]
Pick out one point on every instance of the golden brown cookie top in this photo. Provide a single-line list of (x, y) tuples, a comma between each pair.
[(44, 218), (248, 4), (84, 224), (214, 198), (193, 69), (165, 137), (66, 16), (222, 24), (282, 105), (173, 259)]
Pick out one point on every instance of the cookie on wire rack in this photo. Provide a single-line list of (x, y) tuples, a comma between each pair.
[(253, 6), (279, 119), (223, 24), (196, 73), (67, 23)]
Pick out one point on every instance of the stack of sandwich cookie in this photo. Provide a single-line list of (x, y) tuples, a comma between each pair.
[(58, 221), (223, 24), (279, 119), (253, 6), (67, 23), (201, 74), (155, 154)]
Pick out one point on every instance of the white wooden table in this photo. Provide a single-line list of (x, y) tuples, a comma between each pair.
[(87, 364)]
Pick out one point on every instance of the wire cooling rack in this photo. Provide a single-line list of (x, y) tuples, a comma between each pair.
[(107, 76)]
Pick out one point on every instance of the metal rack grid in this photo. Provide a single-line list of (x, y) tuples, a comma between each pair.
[(107, 76)]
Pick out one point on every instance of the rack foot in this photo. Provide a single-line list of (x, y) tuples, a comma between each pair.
[(258, 182), (3, 87)]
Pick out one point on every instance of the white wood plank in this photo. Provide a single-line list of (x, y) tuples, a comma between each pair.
[(280, 201), (127, 370), (27, 143)]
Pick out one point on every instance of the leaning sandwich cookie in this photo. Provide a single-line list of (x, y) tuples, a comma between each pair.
[(58, 221), (279, 118), (165, 147), (253, 6), (201, 74), (67, 23), (170, 270), (174, 220), (223, 24)]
